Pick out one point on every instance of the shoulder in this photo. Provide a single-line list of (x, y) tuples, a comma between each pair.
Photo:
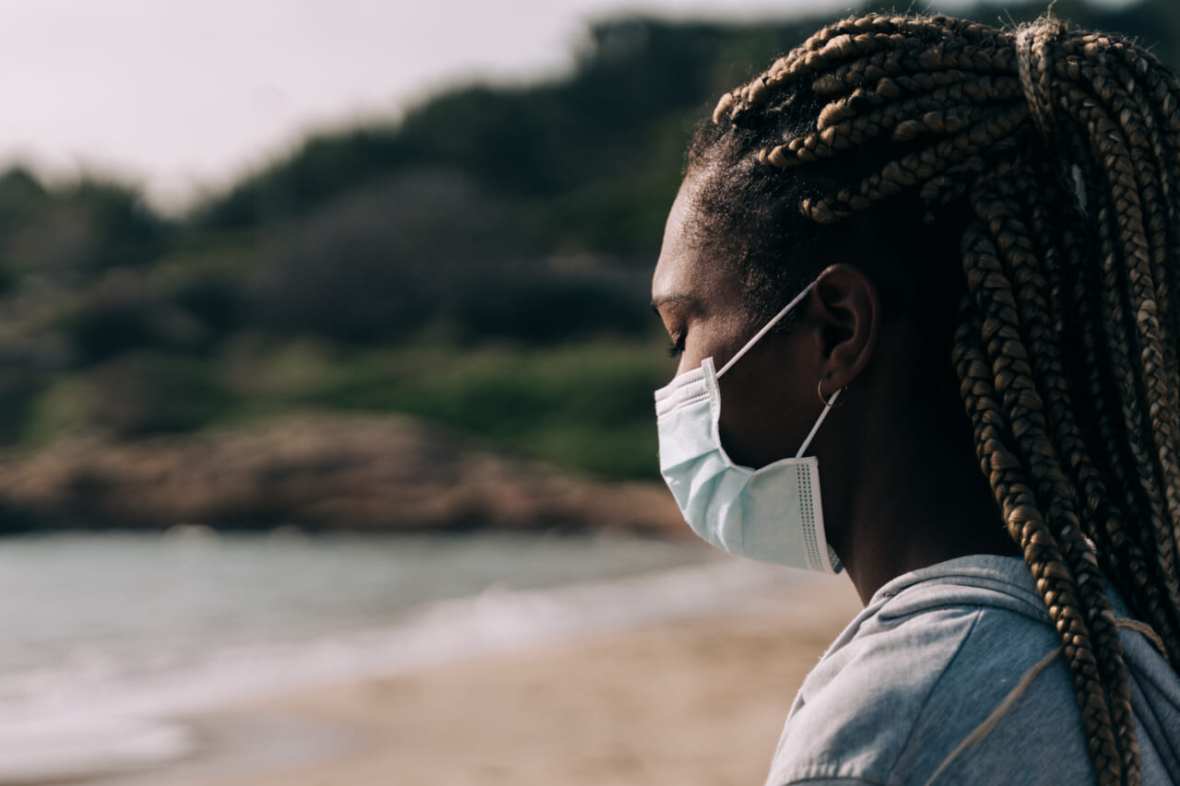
[(914, 680), (855, 710)]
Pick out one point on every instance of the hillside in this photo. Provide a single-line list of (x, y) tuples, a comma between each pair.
[(482, 264)]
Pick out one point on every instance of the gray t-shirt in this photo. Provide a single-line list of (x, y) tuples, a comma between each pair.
[(934, 653)]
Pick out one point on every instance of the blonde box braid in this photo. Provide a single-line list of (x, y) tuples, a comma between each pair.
[(1064, 146)]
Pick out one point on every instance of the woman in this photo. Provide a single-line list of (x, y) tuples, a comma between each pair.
[(967, 240)]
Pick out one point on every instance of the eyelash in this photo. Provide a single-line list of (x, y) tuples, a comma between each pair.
[(676, 347)]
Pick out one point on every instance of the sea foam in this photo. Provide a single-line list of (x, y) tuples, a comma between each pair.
[(93, 713)]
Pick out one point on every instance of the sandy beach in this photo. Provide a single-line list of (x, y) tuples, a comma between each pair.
[(692, 701)]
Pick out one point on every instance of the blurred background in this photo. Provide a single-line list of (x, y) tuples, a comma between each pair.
[(327, 448)]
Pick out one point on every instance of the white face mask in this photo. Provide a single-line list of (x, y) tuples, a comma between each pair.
[(773, 513)]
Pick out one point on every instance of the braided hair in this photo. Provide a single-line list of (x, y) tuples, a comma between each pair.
[(1047, 159)]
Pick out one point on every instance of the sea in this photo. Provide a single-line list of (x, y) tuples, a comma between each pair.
[(110, 641)]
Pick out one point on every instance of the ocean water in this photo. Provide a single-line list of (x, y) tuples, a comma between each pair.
[(110, 640)]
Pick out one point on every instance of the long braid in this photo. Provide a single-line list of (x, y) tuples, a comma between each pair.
[(1131, 422), (1026, 525), (1112, 406), (1119, 551), (1121, 332), (1064, 148), (1004, 238)]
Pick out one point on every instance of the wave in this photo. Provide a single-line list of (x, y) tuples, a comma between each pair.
[(60, 723)]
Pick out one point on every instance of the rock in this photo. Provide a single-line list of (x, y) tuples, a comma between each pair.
[(315, 471)]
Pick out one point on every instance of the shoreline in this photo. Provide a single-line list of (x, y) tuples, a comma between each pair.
[(634, 704), (126, 710)]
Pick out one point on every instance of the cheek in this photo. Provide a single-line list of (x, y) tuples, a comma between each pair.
[(765, 410), (715, 338)]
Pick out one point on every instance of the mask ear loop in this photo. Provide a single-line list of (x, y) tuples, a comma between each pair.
[(828, 404), (766, 328)]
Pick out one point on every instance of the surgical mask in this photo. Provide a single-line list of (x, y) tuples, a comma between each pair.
[(774, 513)]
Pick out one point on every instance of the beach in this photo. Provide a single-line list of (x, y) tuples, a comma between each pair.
[(692, 700)]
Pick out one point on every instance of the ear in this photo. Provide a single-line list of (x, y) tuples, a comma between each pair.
[(847, 310)]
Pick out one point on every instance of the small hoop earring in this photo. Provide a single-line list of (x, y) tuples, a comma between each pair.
[(819, 389)]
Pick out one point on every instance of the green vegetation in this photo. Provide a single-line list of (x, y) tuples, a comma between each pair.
[(586, 404), (483, 263)]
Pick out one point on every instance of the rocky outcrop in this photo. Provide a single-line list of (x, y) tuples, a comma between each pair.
[(318, 472)]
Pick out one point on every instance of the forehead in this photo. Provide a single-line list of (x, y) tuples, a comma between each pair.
[(686, 268)]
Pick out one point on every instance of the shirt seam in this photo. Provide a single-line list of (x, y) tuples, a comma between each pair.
[(926, 700), (833, 779), (975, 606), (967, 567), (1033, 604)]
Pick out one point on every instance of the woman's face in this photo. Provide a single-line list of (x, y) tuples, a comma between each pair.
[(877, 449), (768, 399)]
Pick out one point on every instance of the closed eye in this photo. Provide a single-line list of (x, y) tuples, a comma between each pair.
[(674, 311)]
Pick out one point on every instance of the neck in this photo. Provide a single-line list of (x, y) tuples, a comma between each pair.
[(919, 499)]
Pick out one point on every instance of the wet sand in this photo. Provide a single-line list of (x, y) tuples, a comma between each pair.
[(695, 702)]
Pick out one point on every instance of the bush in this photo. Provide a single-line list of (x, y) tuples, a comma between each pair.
[(376, 266), (135, 395), (536, 305), (585, 406), (70, 235), (19, 389), (122, 314)]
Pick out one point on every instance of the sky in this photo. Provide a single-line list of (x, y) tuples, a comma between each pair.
[(183, 96)]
